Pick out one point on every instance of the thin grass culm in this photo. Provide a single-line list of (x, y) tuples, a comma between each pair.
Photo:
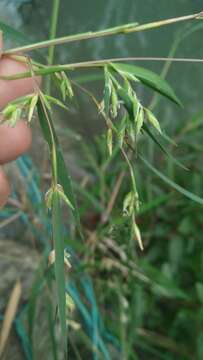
[(127, 120)]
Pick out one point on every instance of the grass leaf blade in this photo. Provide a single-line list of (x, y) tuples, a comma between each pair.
[(13, 34), (151, 135), (63, 174), (150, 79), (59, 261), (172, 184)]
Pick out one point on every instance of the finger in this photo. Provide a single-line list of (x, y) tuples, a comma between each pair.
[(12, 89), (14, 141), (4, 189)]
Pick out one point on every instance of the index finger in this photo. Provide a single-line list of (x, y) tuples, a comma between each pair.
[(12, 89)]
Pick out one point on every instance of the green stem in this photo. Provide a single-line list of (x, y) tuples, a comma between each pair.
[(53, 30), (46, 70), (54, 21), (124, 29)]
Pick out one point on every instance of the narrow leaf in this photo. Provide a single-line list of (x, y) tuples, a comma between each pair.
[(62, 171), (125, 74), (171, 183), (150, 79), (11, 33), (59, 246), (147, 130)]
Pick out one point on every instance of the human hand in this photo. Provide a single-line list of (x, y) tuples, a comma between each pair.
[(13, 141)]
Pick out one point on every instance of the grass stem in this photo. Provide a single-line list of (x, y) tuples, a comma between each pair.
[(123, 29), (53, 31), (46, 70)]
